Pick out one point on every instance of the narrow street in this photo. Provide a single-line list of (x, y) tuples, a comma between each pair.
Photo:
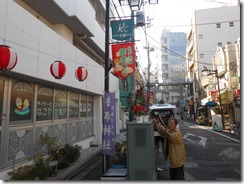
[(211, 156)]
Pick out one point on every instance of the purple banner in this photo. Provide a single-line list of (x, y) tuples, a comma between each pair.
[(108, 136)]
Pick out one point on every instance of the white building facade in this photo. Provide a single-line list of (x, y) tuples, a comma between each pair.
[(41, 32), (210, 28)]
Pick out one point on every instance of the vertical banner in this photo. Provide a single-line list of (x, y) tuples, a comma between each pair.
[(108, 136), (122, 29), (150, 97), (123, 59)]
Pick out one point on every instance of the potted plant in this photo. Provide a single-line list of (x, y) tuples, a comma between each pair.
[(68, 154), (120, 157), (38, 170), (53, 151), (139, 111)]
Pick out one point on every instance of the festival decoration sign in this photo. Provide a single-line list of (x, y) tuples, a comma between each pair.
[(108, 136), (123, 59), (123, 29)]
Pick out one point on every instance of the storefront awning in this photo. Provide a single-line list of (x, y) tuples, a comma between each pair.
[(211, 103), (205, 100)]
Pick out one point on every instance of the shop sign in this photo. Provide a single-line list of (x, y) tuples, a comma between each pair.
[(109, 118), (237, 93), (122, 29), (233, 82), (123, 59), (150, 97), (214, 95)]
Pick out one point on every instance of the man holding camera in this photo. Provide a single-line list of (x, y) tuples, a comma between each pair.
[(175, 148)]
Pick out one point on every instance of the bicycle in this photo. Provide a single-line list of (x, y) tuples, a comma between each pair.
[(235, 128)]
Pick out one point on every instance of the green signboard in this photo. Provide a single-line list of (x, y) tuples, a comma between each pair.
[(123, 29)]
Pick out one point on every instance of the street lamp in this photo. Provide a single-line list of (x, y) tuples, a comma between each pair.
[(135, 4), (123, 2), (207, 72), (153, 1)]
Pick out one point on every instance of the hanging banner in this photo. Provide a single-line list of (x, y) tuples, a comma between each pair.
[(123, 59), (123, 29), (108, 136)]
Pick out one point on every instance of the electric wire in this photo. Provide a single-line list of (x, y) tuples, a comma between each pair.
[(176, 54), (198, 24)]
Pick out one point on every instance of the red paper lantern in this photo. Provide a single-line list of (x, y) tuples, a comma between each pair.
[(81, 73), (58, 69), (8, 58)]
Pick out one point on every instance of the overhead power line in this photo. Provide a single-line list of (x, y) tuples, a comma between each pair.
[(200, 24), (176, 54)]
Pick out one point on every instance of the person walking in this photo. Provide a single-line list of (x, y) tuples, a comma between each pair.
[(174, 147)]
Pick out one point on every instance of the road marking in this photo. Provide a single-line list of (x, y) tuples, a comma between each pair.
[(190, 125), (237, 170), (202, 141), (189, 177), (231, 153)]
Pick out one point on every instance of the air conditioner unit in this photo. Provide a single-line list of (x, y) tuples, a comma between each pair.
[(140, 19)]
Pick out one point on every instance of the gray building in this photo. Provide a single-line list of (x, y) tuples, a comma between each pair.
[(173, 65)]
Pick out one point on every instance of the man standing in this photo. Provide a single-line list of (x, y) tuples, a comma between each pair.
[(175, 150)]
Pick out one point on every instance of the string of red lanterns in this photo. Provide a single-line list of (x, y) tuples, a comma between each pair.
[(9, 58), (58, 69), (81, 73)]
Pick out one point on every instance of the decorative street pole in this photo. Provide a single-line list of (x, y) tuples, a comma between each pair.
[(207, 72)]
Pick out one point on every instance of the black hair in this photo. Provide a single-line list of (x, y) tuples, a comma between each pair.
[(175, 120)]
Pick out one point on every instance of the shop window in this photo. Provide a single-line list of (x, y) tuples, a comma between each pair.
[(83, 106), (21, 104), (60, 107), (44, 104), (90, 106), (74, 105)]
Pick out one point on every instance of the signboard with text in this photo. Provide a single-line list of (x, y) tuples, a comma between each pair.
[(109, 118), (122, 29), (123, 59)]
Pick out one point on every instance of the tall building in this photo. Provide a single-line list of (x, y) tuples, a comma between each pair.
[(210, 28), (32, 101), (173, 65)]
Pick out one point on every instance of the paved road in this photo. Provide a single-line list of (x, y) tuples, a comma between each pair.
[(211, 156)]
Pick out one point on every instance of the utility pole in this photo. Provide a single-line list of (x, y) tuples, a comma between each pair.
[(148, 70), (148, 73), (106, 158)]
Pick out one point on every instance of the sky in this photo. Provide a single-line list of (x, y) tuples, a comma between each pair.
[(174, 15)]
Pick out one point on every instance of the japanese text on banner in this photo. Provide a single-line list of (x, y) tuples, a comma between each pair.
[(109, 124)]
